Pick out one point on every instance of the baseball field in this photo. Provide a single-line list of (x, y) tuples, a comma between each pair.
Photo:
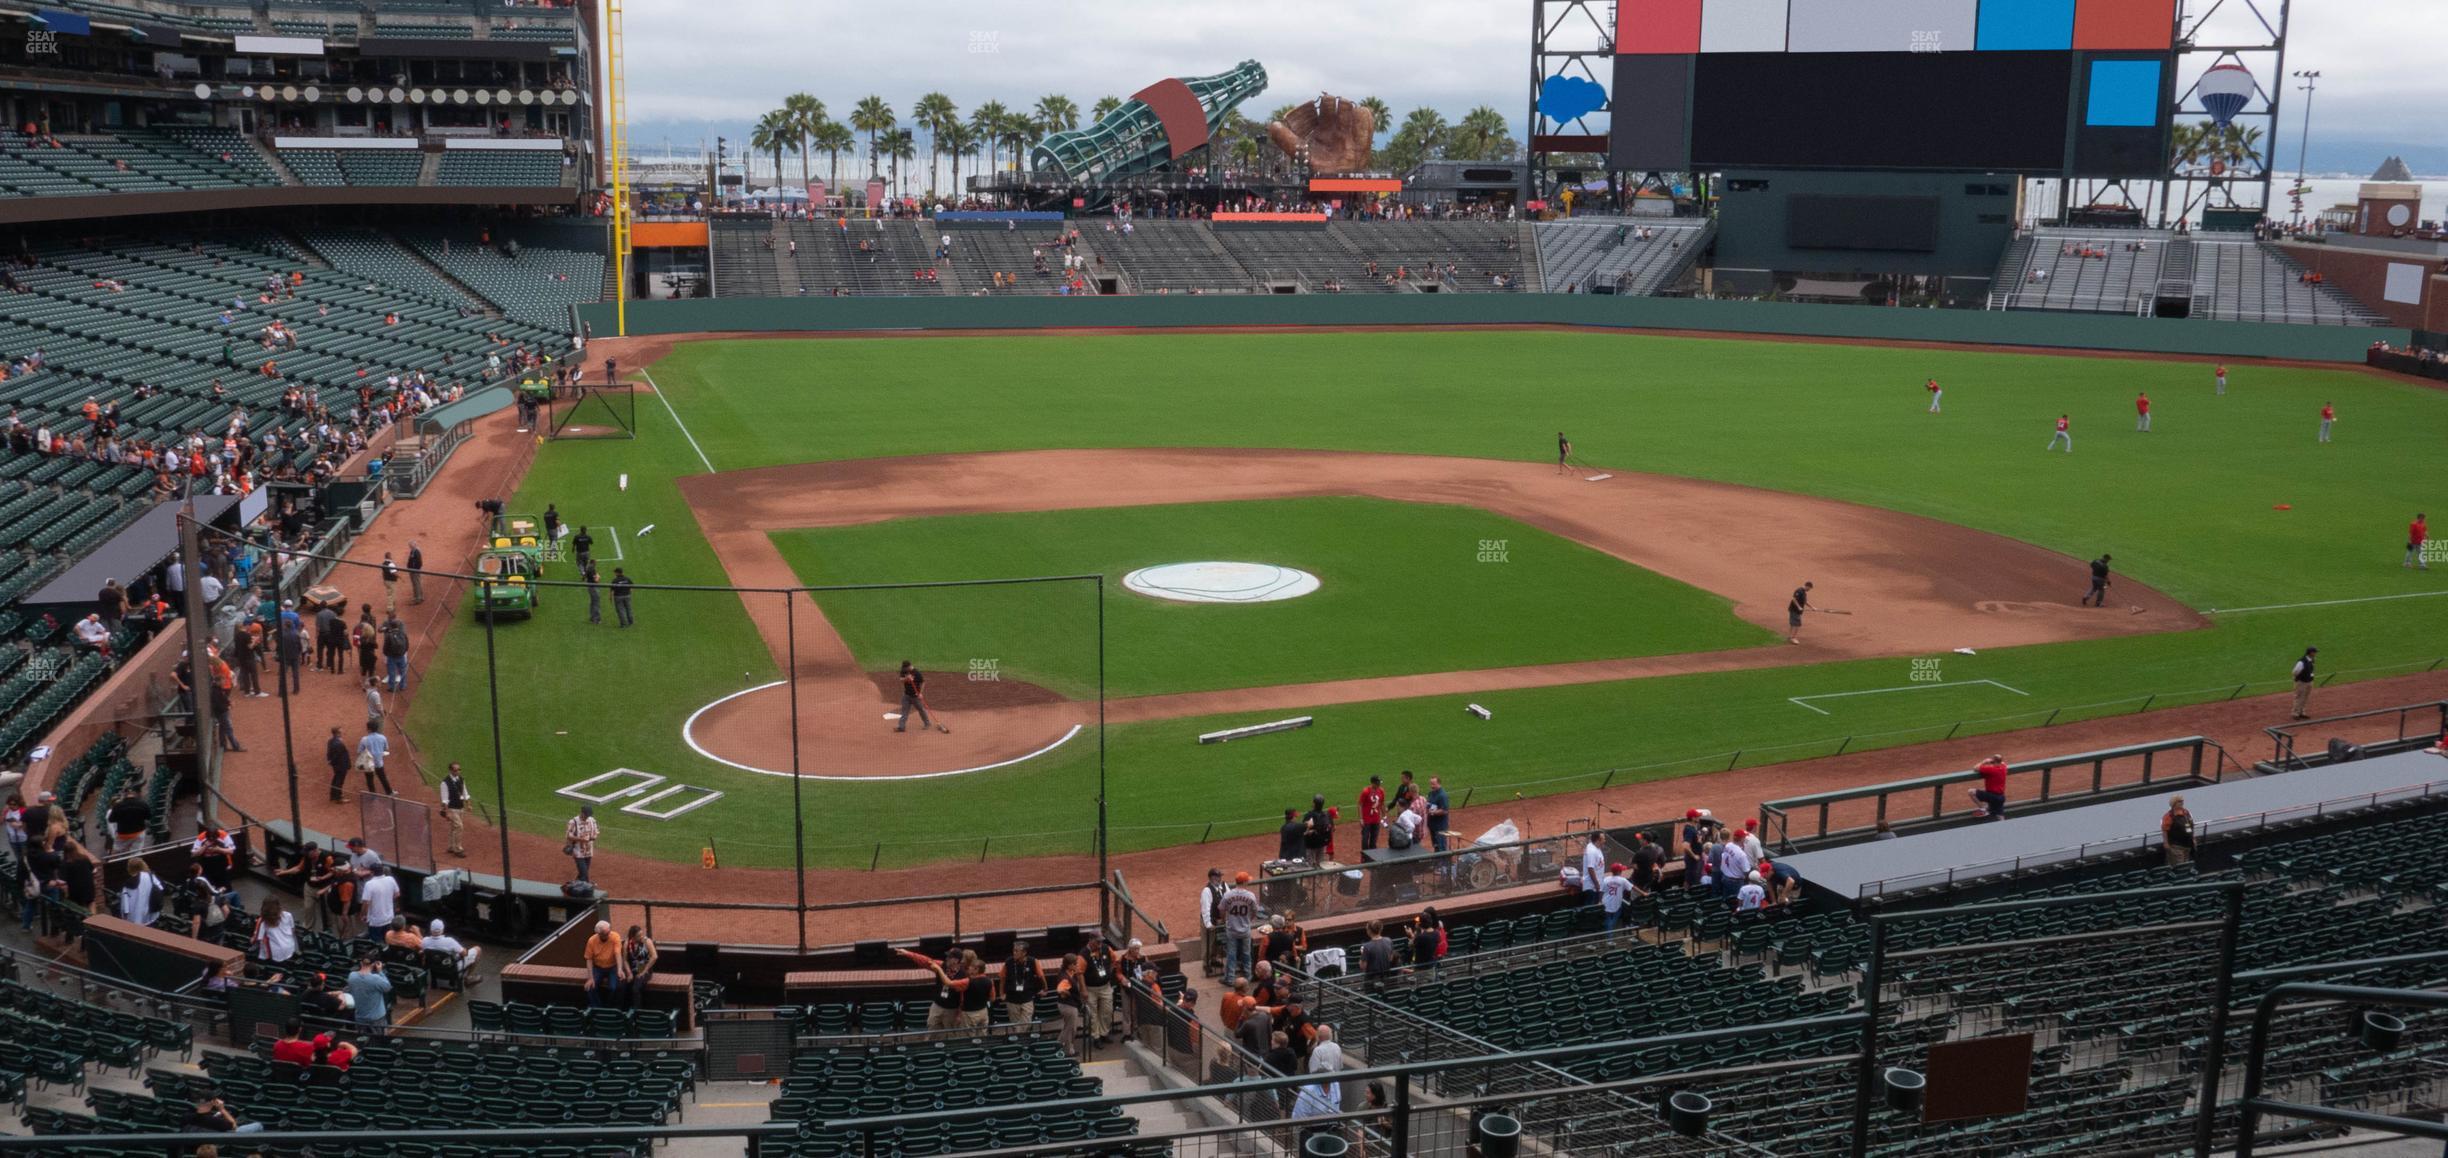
[(1633, 626)]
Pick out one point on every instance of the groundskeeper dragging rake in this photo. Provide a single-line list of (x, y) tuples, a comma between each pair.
[(1565, 460), (913, 699)]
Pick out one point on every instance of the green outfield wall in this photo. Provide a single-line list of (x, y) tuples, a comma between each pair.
[(1980, 327)]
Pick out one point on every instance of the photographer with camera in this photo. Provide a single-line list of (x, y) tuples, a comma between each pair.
[(370, 992), (210, 1116)]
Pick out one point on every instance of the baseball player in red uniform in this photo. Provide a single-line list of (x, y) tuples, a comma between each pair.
[(1935, 394), (2065, 433), (2328, 419), (2142, 412), (2418, 533), (2221, 372)]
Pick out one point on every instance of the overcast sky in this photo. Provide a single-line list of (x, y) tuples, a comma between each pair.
[(702, 67)]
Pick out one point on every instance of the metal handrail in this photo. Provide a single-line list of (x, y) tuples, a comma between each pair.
[(2127, 845), (1776, 814), (2282, 736)]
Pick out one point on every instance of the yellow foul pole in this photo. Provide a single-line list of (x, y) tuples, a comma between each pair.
[(617, 151)]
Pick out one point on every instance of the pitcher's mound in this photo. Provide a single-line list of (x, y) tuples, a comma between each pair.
[(1221, 582)]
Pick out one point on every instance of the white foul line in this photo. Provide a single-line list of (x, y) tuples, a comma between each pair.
[(2326, 603), (1797, 701), (688, 732), (675, 413)]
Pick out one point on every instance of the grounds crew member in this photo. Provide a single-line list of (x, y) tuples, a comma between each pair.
[(913, 698), (620, 598), (2098, 595), (454, 807)]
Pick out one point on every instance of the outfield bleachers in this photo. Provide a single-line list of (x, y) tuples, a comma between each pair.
[(979, 254), (1580, 255), (1169, 257), (2233, 277), (870, 258), (744, 268), (1475, 250), (1311, 256)]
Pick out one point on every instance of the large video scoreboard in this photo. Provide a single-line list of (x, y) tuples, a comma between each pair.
[(2077, 88)]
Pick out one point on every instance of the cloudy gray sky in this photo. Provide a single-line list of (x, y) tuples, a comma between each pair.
[(703, 67)]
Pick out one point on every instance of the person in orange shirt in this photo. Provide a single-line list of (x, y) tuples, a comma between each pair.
[(2328, 419), (1237, 1004), (2418, 533), (2142, 412), (607, 966)]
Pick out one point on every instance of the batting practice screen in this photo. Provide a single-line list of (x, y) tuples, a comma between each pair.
[(2038, 87)]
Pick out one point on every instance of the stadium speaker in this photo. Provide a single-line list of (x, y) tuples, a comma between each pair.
[(1904, 1088), (2341, 751), (1498, 1135), (2380, 1032), (1688, 1112)]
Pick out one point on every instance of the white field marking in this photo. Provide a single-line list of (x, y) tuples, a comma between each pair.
[(2327, 602), (675, 413), (705, 796), (688, 732), (614, 532), (1798, 700), (579, 791)]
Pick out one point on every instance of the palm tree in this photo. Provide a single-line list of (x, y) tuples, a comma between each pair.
[(1105, 107), (773, 133), (1056, 114), (933, 112), (1423, 134), (874, 118), (956, 139), (2185, 142), (806, 114), (1381, 119), (1017, 129), (987, 122), (899, 145), (833, 137), (1482, 136)]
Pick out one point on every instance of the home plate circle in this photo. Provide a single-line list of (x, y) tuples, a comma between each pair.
[(1221, 582)]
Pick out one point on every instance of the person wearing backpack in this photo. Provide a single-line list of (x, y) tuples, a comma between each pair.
[(395, 654), (2176, 832), (140, 901)]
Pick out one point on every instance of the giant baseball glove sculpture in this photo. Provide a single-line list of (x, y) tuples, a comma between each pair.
[(1333, 133)]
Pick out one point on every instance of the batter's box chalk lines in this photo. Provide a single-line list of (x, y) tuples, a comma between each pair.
[(1803, 701)]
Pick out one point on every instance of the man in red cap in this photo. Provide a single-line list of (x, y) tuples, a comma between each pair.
[(1695, 827), (1613, 889)]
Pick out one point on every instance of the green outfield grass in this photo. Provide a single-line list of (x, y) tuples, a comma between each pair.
[(2187, 508), (1403, 588)]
